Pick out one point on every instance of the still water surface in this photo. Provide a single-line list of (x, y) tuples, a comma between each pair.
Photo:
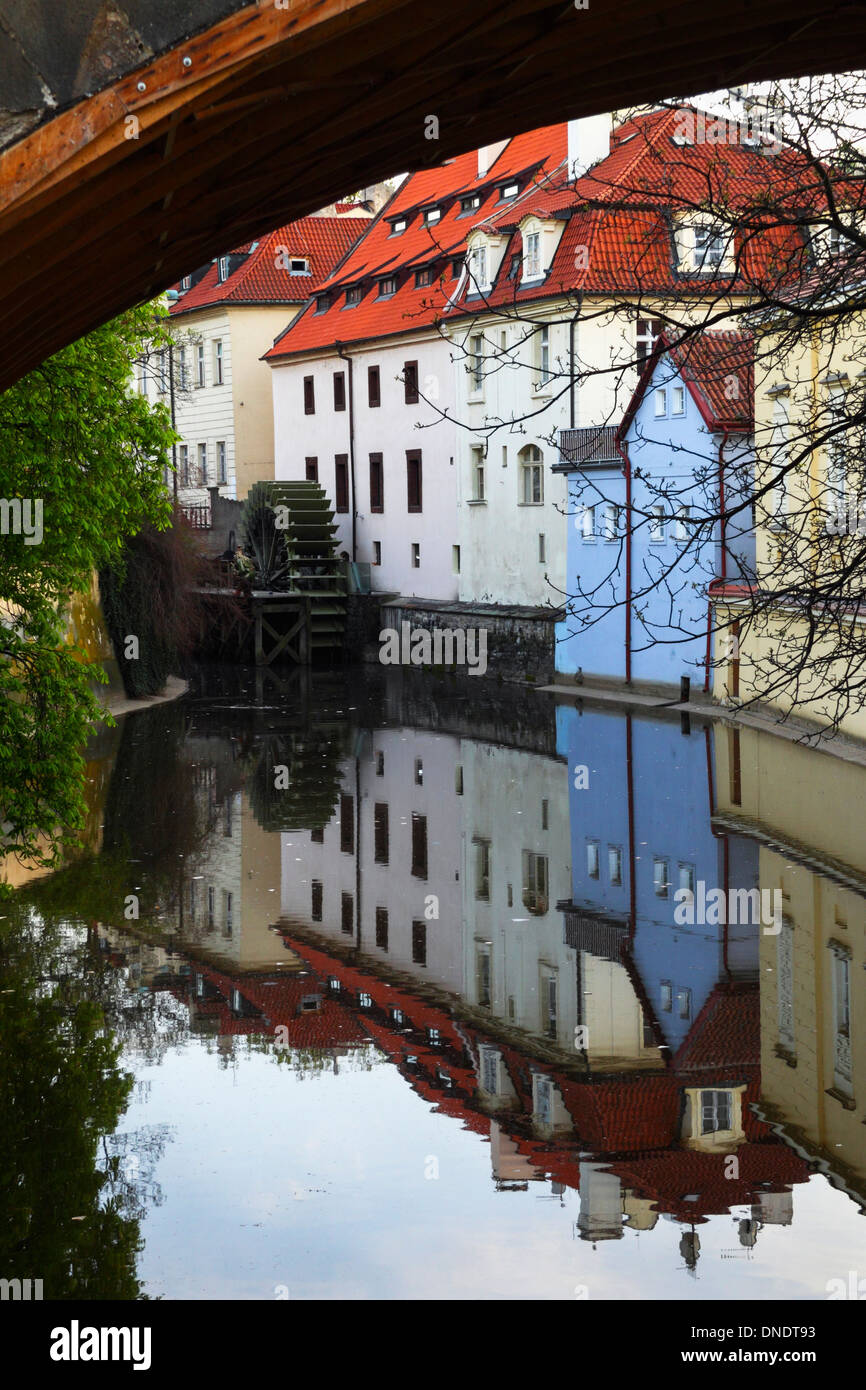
[(375, 990)]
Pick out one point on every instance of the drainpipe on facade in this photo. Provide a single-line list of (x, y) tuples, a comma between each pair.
[(341, 352), (626, 463), (571, 327), (722, 527)]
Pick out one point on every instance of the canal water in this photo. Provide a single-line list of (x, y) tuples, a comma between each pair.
[(389, 988)]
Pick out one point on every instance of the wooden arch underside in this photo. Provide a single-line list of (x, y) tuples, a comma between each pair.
[(280, 110)]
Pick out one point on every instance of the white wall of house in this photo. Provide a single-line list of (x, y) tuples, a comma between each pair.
[(204, 415), (504, 559), (389, 429)]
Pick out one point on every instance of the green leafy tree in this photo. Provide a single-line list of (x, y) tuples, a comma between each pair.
[(82, 460)]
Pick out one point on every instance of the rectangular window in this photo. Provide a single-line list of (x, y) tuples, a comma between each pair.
[(222, 474), (684, 1003), (667, 997), (199, 365), (413, 480), (681, 529), (587, 523), (648, 332), (458, 780), (380, 763), (217, 362), (532, 484), (347, 913), (377, 484), (181, 369), (416, 555), (660, 402), (202, 464), (374, 396), (716, 1111), (657, 525), (476, 363), (183, 464), (211, 908), (544, 355), (419, 772), (377, 552), (614, 865), (311, 467), (339, 390), (482, 976), (353, 296), (347, 824), (229, 912), (387, 287), (661, 882), (678, 400), (610, 523), (419, 943), (686, 874), (542, 549), (592, 858), (410, 382), (478, 472), (380, 833), (482, 869), (317, 835), (382, 928), (419, 846), (455, 559), (432, 215), (316, 900), (709, 248), (309, 396), (341, 469), (535, 898), (532, 255)]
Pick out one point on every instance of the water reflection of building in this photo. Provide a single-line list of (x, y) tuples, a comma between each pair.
[(800, 806)]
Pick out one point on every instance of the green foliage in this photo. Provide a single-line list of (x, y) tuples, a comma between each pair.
[(75, 438)]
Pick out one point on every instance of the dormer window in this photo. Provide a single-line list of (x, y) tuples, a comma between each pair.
[(399, 225), (514, 267), (353, 296), (323, 303), (705, 248), (509, 190), (478, 266), (186, 282), (300, 266), (387, 286), (222, 269), (532, 256), (457, 265), (709, 248), (424, 277), (470, 203), (432, 216)]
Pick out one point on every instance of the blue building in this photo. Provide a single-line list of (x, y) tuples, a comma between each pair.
[(640, 807), (644, 535)]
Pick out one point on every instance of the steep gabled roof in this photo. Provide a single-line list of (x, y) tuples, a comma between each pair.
[(717, 367), (260, 278), (380, 252)]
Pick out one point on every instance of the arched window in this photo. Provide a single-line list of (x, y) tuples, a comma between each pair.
[(531, 476)]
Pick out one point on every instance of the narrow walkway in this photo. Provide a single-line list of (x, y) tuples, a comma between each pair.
[(118, 705), (793, 729)]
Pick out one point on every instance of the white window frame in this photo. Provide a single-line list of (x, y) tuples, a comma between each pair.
[(222, 463), (531, 475), (218, 362), (678, 400)]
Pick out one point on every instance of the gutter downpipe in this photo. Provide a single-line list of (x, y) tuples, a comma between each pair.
[(571, 327), (724, 558), (341, 353), (623, 453)]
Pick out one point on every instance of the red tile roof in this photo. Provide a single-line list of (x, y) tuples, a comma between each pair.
[(718, 369), (380, 252), (323, 241)]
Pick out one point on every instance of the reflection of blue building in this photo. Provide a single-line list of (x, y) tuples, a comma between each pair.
[(638, 593), (640, 830)]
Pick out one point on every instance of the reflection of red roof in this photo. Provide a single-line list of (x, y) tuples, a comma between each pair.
[(380, 252), (278, 998), (261, 279)]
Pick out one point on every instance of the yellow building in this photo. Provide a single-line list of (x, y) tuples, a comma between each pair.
[(791, 648), (800, 805)]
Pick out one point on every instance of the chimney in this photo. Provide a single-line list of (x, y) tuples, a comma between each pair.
[(488, 155), (588, 142)]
